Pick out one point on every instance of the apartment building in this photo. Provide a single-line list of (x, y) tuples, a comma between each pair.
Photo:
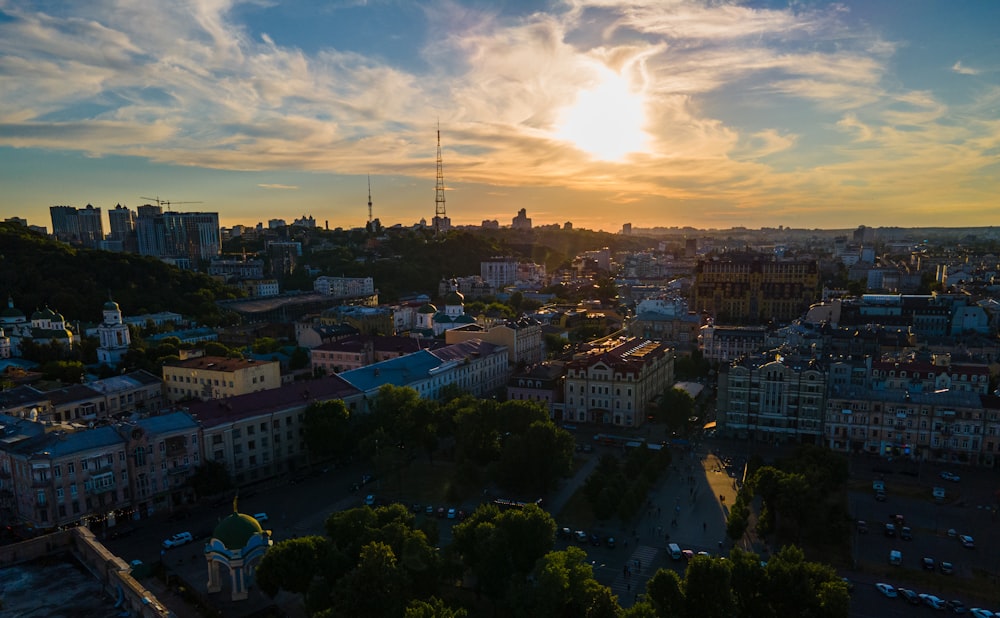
[(752, 288), (522, 337), (772, 399), (99, 476), (947, 426), (724, 344), (615, 383), (260, 435), (217, 377)]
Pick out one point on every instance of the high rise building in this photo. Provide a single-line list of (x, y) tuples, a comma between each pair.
[(78, 226), (191, 235)]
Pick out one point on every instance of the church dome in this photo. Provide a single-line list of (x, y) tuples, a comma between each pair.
[(111, 306), (236, 530), (427, 308), (454, 298), (10, 312)]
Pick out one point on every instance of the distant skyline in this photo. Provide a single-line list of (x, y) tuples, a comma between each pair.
[(701, 113)]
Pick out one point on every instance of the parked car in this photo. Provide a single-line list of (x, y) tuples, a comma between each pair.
[(564, 533), (452, 513), (595, 540), (890, 529), (979, 612), (932, 601), (610, 542), (887, 589), (370, 500), (581, 536), (967, 541), (862, 527), (909, 596), (947, 568), (928, 563), (949, 476), (181, 538), (957, 607), (906, 533), (880, 496)]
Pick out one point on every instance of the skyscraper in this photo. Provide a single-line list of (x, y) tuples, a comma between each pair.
[(77, 226), (190, 235)]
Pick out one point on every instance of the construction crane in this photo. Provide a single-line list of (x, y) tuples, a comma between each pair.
[(166, 203)]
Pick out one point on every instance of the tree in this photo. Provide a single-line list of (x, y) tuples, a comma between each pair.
[(291, 565), (376, 588), (432, 608), (665, 592), (535, 460), (674, 408), (327, 429), (210, 478), (299, 359), (708, 588)]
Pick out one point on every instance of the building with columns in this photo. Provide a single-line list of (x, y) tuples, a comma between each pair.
[(114, 335)]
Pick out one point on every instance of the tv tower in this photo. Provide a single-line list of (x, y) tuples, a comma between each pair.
[(369, 199), (440, 218)]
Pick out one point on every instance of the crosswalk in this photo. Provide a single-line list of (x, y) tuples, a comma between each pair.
[(628, 584)]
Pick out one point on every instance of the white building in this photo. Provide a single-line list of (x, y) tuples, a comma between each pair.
[(114, 335)]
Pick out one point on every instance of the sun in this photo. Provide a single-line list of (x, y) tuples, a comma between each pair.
[(606, 121)]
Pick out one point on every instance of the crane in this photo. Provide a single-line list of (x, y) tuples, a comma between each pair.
[(166, 203)]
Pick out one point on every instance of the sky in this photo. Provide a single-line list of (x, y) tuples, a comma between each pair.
[(658, 113)]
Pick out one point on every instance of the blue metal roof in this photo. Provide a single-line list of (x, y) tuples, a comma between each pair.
[(400, 371)]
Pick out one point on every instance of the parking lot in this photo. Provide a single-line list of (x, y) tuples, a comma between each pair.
[(926, 532)]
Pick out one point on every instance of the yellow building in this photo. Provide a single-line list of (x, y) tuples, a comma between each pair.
[(217, 377), (752, 288)]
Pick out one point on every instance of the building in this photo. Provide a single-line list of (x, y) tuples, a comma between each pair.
[(542, 383), (78, 226), (138, 392), (236, 269), (522, 221), (217, 377), (614, 384), (772, 399), (938, 374), (522, 338), (749, 288), (724, 344), (260, 288), (114, 335), (96, 476), (360, 351), (474, 366), (345, 287), (946, 426), (190, 236), (499, 271), (666, 320), (260, 435)]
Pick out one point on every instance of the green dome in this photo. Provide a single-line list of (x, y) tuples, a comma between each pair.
[(454, 298), (236, 530), (427, 308), (111, 306)]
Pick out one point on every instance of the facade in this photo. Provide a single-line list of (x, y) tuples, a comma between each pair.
[(345, 287), (236, 270), (99, 476), (216, 377), (542, 383), (724, 344), (754, 288), (189, 236), (666, 320), (522, 338), (78, 226), (258, 288), (614, 385), (939, 374), (474, 366), (772, 399), (946, 426), (260, 435), (360, 351), (137, 392), (499, 271)]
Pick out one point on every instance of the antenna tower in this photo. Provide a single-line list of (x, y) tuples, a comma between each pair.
[(439, 212), (369, 199)]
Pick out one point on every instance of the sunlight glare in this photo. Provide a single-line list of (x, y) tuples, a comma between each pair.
[(605, 121)]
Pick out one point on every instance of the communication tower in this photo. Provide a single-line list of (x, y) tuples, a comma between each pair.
[(440, 217)]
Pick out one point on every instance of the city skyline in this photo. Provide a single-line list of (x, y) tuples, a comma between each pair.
[(599, 112)]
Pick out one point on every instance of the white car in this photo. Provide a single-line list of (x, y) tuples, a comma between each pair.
[(887, 589), (979, 612), (967, 541), (951, 476), (181, 538)]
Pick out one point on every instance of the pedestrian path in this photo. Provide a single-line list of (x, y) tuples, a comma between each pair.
[(631, 580)]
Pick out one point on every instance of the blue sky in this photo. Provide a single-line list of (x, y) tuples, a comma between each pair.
[(602, 112)]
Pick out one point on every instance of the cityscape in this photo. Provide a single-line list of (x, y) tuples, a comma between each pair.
[(593, 308)]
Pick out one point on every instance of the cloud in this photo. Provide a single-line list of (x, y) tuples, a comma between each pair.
[(277, 186), (961, 69)]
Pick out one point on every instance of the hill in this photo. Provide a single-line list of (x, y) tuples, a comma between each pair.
[(37, 272)]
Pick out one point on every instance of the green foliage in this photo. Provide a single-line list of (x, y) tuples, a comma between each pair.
[(210, 478), (674, 407), (70, 372), (291, 565), (619, 487), (327, 429), (432, 608)]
